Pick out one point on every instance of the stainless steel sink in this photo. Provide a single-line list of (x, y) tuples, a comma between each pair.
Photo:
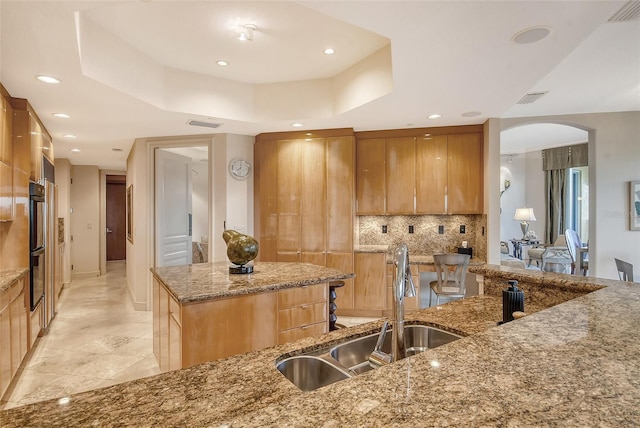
[(309, 372), (350, 358), (354, 354)]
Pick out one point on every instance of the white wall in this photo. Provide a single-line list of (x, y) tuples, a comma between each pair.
[(614, 160), (85, 220)]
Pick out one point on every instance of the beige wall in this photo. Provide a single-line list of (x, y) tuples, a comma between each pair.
[(63, 181), (85, 220)]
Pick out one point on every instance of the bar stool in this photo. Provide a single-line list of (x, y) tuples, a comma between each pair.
[(451, 271), (332, 305)]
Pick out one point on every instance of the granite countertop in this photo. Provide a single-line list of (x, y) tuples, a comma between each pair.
[(205, 281), (574, 364), (371, 249), (414, 259), (9, 277)]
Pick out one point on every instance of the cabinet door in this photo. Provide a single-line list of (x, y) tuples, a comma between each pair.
[(313, 201), (370, 177), (6, 132), (6, 192), (289, 194), (431, 175), (266, 198), (465, 174), (36, 148), (370, 280), (175, 335), (400, 174), (16, 309), (5, 349), (163, 331)]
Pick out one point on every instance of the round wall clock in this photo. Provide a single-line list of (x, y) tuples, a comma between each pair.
[(239, 168)]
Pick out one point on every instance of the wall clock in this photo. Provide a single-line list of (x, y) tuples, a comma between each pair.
[(239, 168)]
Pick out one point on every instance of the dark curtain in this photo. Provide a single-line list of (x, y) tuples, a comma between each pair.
[(556, 181), (556, 162)]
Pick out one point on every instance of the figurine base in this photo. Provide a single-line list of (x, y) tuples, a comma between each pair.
[(240, 269)]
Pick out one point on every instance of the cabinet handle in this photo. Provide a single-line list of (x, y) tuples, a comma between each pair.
[(304, 327), (304, 306)]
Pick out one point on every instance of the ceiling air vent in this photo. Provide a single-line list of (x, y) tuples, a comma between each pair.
[(628, 12), (201, 123), (531, 97)]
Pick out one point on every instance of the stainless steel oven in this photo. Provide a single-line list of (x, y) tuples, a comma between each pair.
[(37, 242)]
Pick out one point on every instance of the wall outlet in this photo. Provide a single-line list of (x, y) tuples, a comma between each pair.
[(384, 229), (463, 228), (411, 229), (440, 230)]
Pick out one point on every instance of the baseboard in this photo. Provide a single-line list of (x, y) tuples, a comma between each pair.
[(80, 275), (137, 306)]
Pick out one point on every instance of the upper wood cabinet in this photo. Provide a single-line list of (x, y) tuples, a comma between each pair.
[(7, 201), (6, 131), (304, 197), (32, 138), (370, 177), (437, 173)]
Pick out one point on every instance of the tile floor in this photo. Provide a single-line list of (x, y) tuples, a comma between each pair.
[(97, 339)]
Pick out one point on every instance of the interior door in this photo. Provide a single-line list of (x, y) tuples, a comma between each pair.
[(116, 217), (173, 209)]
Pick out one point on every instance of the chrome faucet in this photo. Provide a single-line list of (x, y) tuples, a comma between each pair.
[(402, 287)]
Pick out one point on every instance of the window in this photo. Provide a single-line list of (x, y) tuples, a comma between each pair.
[(578, 201)]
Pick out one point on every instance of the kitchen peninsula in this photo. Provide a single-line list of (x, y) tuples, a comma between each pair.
[(572, 364), (201, 312)]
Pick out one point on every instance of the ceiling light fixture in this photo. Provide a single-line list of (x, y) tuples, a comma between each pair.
[(74, 150), (531, 35), (222, 63), (434, 116), (297, 125), (73, 137), (246, 33), (48, 79), (61, 115), (329, 51)]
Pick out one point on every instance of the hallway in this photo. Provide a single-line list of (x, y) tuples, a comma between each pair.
[(95, 340)]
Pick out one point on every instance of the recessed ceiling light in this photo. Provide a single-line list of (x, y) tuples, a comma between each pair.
[(434, 116), (61, 115), (329, 51), (222, 63), (471, 114), (297, 125), (48, 79), (74, 150), (531, 35), (73, 137)]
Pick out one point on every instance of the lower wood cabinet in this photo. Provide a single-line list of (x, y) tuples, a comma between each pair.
[(196, 332), (13, 330), (369, 296)]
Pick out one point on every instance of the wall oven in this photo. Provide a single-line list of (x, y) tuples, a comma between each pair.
[(37, 242)]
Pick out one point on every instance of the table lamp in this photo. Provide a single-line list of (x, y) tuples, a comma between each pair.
[(525, 215)]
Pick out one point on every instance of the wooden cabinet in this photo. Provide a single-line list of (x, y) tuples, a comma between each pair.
[(465, 174), (304, 199), (7, 200), (369, 288), (302, 312), (438, 173), (185, 334), (400, 172), (370, 177), (32, 138), (13, 330)]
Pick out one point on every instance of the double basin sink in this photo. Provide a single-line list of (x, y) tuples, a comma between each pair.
[(350, 358)]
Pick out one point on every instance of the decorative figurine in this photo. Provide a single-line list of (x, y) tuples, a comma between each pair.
[(241, 249)]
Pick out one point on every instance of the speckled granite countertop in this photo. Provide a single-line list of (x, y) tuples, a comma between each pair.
[(9, 277), (205, 281), (574, 364), (371, 249)]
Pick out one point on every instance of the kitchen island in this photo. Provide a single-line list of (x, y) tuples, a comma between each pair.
[(201, 312), (573, 364)]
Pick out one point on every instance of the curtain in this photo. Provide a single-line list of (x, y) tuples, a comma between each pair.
[(565, 157), (555, 180)]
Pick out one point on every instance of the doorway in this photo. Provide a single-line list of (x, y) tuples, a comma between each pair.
[(116, 217)]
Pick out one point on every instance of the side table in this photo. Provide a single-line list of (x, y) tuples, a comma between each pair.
[(519, 243)]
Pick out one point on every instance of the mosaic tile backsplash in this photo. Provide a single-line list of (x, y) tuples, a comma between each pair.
[(425, 239)]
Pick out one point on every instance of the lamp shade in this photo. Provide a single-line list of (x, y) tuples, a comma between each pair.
[(524, 214)]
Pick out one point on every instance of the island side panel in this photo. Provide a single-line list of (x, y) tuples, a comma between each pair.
[(223, 327)]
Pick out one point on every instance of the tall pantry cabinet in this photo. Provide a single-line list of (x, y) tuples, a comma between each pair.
[(304, 193)]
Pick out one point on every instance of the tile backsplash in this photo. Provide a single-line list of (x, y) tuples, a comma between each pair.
[(425, 238)]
